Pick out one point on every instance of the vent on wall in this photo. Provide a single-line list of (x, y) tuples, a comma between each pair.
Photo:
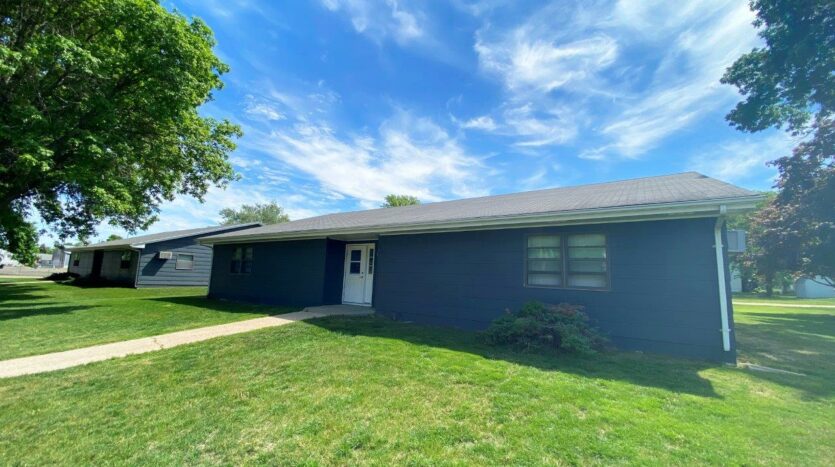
[(165, 255), (736, 241)]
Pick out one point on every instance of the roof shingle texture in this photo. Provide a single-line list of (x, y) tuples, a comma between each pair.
[(689, 186), (159, 237)]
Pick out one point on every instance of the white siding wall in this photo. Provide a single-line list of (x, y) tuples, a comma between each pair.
[(85, 263), (110, 269)]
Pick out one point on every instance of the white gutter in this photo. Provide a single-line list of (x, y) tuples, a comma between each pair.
[(720, 273)]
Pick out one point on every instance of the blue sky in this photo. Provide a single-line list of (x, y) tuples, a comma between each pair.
[(345, 101)]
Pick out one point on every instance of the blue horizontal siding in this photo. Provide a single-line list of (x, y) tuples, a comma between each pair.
[(663, 293)]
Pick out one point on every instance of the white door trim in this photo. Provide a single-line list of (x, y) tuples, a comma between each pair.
[(364, 285)]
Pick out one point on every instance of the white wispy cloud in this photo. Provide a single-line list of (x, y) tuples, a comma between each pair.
[(577, 57), (262, 110), (381, 18), (484, 122), (409, 155), (743, 160)]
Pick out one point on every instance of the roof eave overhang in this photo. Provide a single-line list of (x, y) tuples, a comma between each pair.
[(680, 210), (135, 246)]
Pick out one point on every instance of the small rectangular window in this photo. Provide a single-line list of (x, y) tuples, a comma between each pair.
[(587, 261), (75, 260), (184, 262), (544, 261), (241, 260), (246, 265), (124, 261)]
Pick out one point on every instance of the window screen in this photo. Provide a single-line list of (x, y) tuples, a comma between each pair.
[(587, 261), (544, 261), (184, 262)]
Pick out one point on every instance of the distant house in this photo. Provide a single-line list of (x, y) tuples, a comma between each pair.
[(45, 260), (646, 258), (163, 259), (814, 288), (6, 259)]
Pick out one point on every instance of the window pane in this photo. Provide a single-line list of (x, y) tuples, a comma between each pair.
[(587, 280), (545, 279), (355, 267), (543, 241), (248, 253), (371, 261), (587, 240), (126, 256), (237, 255), (356, 255), (246, 267), (593, 252), (544, 265), (184, 262), (587, 265), (545, 253)]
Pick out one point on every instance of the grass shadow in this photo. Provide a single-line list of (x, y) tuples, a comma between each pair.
[(672, 374), (19, 293), (225, 306), (10, 313), (800, 342)]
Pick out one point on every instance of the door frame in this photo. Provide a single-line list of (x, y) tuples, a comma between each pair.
[(364, 265)]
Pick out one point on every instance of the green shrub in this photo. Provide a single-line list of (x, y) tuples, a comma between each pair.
[(537, 326)]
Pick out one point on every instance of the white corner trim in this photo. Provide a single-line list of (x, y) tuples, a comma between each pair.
[(720, 275)]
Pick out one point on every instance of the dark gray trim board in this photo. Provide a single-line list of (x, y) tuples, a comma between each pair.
[(662, 297)]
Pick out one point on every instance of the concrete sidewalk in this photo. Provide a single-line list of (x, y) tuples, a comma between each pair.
[(71, 358)]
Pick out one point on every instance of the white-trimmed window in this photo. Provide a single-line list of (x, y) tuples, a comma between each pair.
[(544, 261), (587, 261), (576, 261), (184, 261)]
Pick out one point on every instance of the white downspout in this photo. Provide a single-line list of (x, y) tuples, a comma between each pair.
[(720, 272)]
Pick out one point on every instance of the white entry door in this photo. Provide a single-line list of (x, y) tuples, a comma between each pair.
[(359, 274)]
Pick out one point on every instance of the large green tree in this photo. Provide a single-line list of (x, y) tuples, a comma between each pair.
[(393, 201), (99, 115), (266, 214), (790, 83)]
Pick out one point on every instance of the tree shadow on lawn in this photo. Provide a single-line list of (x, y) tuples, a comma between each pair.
[(672, 374), (799, 342), (224, 305), (10, 292), (9, 313)]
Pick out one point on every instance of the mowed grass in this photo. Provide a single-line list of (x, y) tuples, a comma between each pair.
[(41, 316), (781, 299), (372, 391)]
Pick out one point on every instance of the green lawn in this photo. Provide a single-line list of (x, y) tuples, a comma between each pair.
[(788, 299), (371, 391), (46, 317)]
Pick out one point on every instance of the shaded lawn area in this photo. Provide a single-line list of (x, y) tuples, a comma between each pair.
[(372, 391), (44, 317)]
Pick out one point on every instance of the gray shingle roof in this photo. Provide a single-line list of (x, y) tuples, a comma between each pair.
[(676, 188), (159, 237)]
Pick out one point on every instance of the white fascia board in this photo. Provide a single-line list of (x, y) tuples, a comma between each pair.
[(681, 210)]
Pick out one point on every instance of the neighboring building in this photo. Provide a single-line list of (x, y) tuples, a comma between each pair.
[(6, 259), (814, 288), (45, 260), (644, 257), (60, 258), (162, 259)]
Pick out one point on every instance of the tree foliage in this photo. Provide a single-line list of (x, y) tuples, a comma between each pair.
[(393, 201), (266, 214), (98, 115), (113, 237), (790, 83)]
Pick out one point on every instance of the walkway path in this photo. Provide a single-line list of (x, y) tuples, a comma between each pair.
[(788, 305), (71, 358)]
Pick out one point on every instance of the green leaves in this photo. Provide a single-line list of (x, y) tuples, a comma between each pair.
[(99, 113), (266, 214)]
